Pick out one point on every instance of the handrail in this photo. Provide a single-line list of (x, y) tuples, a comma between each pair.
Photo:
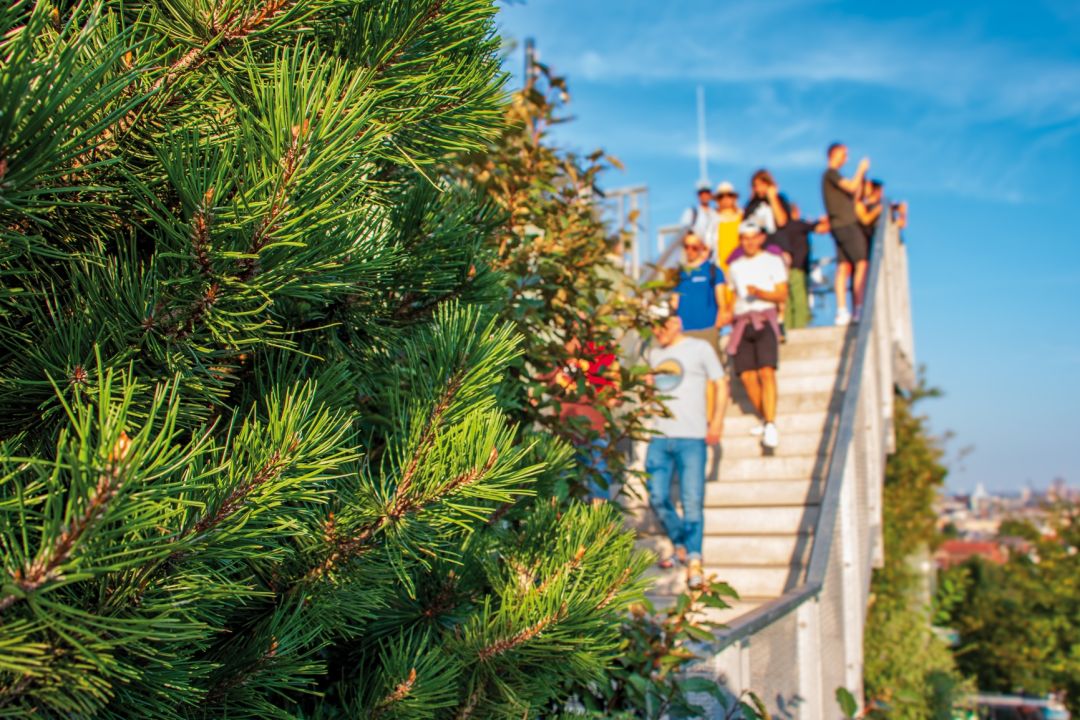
[(853, 358), (654, 268)]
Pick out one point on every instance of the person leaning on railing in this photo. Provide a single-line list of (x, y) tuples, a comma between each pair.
[(839, 194)]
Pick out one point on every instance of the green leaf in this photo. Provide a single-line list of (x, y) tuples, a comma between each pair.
[(847, 702)]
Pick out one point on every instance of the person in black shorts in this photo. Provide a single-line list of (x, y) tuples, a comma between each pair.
[(868, 208), (839, 194), (759, 280)]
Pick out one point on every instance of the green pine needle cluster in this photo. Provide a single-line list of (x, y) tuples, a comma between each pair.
[(255, 458)]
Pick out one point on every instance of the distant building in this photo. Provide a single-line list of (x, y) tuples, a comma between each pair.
[(956, 552), (978, 498)]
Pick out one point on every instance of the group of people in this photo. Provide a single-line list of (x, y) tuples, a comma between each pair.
[(743, 280)]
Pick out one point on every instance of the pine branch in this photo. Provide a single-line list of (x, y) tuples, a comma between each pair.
[(433, 12), (200, 233), (219, 691), (565, 570), (615, 588), (270, 470), (249, 266), (46, 568), (504, 645), (398, 694), (345, 549), (427, 437), (235, 28)]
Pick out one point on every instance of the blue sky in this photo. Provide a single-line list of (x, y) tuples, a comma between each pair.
[(970, 111)]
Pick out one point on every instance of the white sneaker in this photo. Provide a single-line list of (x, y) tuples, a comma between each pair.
[(757, 430), (771, 437), (843, 317)]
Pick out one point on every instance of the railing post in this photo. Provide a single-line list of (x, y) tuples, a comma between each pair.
[(851, 575), (808, 651)]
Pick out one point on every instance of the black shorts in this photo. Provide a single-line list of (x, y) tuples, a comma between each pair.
[(850, 243), (757, 349)]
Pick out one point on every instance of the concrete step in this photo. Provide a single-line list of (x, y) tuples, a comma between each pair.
[(804, 336), (763, 493), (744, 445), (756, 495), (816, 383), (809, 366), (756, 550), (808, 421), (796, 467), (764, 520), (758, 581), (810, 351), (736, 520), (739, 549), (785, 403)]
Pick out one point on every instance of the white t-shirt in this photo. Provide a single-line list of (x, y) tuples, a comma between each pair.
[(682, 372), (765, 271)]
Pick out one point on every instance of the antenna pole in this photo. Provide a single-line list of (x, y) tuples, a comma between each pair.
[(703, 148), (530, 61)]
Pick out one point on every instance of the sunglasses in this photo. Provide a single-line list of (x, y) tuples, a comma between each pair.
[(693, 247)]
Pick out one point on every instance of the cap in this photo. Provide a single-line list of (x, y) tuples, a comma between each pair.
[(703, 187), (661, 310), (749, 227), (726, 188)]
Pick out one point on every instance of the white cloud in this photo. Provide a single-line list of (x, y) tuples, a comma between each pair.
[(937, 56)]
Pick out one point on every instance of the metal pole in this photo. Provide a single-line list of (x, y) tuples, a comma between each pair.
[(530, 61), (703, 148), (635, 268)]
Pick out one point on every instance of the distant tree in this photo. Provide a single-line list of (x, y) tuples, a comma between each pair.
[(564, 288), (909, 672), (1019, 623)]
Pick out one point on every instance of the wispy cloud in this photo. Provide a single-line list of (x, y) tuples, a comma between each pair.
[(747, 156), (939, 56)]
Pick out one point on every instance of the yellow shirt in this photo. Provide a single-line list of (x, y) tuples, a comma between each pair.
[(727, 239)]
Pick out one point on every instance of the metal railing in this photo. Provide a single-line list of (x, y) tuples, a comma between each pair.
[(794, 651)]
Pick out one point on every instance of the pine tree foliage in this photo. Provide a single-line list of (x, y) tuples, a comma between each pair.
[(253, 386), (910, 672)]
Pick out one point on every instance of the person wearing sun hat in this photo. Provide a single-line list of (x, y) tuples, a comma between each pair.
[(686, 372), (728, 217)]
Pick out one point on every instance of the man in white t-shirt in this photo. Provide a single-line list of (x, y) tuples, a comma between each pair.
[(687, 372), (701, 219), (759, 280)]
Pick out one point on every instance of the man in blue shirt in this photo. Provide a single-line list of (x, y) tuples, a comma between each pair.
[(699, 298), (700, 302)]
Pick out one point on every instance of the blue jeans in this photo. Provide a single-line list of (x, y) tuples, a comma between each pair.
[(687, 457), (591, 455)]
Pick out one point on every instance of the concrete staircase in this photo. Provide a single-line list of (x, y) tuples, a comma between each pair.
[(761, 507)]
